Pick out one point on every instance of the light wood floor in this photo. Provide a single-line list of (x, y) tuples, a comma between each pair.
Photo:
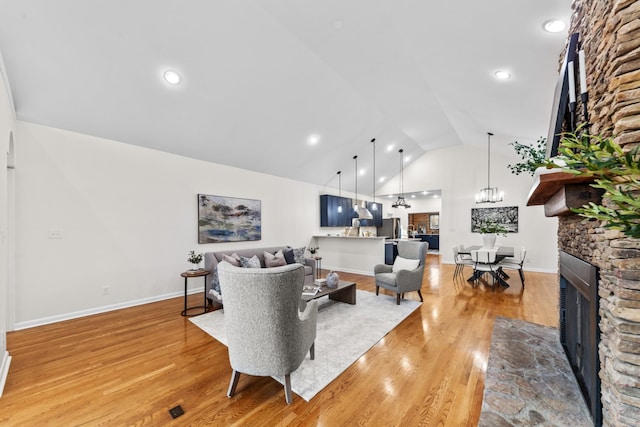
[(130, 366)]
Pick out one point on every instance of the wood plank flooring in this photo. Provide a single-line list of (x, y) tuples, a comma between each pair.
[(129, 367)]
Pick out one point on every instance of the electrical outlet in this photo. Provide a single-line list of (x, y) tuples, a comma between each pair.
[(56, 233), (106, 290)]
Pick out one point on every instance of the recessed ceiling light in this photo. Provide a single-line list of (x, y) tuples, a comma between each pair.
[(502, 75), (172, 77), (554, 26), (390, 147), (413, 196), (313, 139), (425, 192), (406, 159), (363, 171), (382, 178)]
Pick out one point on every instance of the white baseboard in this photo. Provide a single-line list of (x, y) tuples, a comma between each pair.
[(98, 310), (4, 370), (347, 270)]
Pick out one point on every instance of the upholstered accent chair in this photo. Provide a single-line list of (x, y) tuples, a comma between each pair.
[(398, 279), (266, 332)]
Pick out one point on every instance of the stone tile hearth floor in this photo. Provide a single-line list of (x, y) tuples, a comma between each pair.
[(529, 381)]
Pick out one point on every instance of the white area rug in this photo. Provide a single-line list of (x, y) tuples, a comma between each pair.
[(344, 333)]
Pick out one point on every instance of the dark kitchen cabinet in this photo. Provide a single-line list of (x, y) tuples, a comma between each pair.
[(329, 215), (432, 239)]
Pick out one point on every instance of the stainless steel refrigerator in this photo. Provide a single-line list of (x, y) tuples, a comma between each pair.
[(390, 228)]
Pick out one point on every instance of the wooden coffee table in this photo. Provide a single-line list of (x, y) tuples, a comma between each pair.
[(345, 292)]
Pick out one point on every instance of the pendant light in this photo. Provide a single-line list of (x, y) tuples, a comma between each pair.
[(374, 205), (401, 203), (362, 212), (340, 191), (489, 194)]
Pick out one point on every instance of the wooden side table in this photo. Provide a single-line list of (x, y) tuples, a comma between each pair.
[(195, 273)]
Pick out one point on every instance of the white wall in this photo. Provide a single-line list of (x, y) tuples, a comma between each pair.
[(460, 172), (7, 123), (128, 217)]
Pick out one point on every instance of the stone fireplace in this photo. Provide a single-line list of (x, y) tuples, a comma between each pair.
[(610, 35)]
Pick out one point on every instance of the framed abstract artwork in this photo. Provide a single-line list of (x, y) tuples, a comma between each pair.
[(228, 219), (507, 216)]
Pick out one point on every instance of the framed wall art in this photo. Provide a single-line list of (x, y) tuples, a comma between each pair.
[(228, 219), (434, 221), (507, 216)]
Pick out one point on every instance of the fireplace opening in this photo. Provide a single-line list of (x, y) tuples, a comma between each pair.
[(579, 329)]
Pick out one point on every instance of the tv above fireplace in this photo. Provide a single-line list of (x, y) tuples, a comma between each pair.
[(560, 109)]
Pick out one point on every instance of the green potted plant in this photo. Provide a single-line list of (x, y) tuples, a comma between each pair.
[(613, 169), (194, 259), (490, 230), (533, 156)]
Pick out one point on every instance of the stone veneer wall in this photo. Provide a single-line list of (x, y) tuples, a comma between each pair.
[(610, 35)]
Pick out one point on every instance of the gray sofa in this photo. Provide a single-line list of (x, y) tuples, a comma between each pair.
[(211, 260)]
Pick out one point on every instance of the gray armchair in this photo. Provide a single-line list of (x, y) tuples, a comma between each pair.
[(403, 280), (266, 332)]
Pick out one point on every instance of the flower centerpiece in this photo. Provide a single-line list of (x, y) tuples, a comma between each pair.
[(489, 231), (195, 259)]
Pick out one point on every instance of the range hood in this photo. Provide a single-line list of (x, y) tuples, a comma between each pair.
[(362, 212)]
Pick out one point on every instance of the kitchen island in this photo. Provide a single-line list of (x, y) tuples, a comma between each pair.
[(350, 253)]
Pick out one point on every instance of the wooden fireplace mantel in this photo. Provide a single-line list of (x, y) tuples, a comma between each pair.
[(560, 191)]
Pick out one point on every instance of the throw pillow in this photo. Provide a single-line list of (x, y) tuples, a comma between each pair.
[(298, 255), (271, 260), (288, 255), (405, 264), (233, 259), (253, 262)]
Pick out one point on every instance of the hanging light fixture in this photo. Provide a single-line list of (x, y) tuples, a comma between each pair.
[(361, 211), (489, 194), (340, 190), (374, 205), (401, 203)]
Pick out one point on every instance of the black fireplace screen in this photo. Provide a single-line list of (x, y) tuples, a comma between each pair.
[(579, 330)]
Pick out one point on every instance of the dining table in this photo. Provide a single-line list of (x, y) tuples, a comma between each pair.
[(502, 252)]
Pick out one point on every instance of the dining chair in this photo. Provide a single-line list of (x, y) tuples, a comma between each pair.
[(461, 260), (515, 264), (484, 261)]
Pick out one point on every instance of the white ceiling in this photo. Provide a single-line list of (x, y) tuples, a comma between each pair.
[(260, 76)]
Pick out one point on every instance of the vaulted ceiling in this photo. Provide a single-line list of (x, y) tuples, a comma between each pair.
[(259, 77)]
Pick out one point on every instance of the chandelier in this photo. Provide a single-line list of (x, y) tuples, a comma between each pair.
[(401, 203), (489, 194)]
